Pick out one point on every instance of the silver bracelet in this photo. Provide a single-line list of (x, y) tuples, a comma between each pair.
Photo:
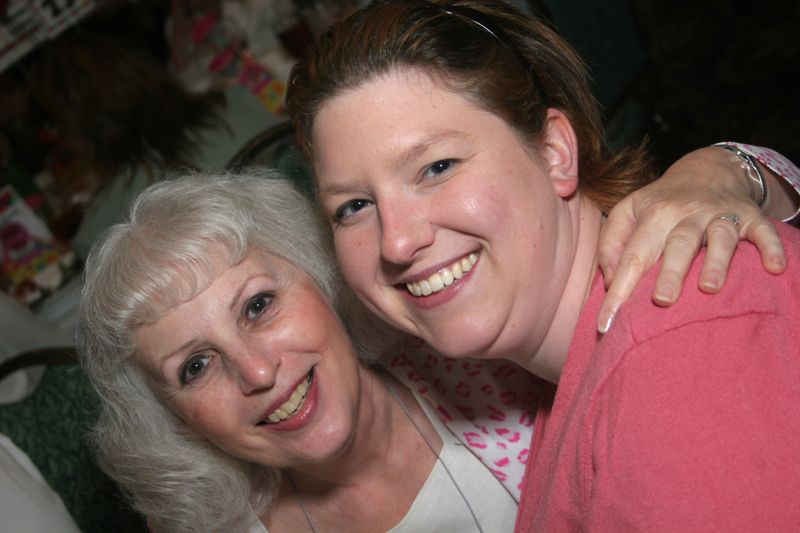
[(751, 168)]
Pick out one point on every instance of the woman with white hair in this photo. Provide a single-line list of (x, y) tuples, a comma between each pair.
[(213, 328)]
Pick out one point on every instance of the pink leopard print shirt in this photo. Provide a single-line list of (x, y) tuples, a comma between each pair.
[(487, 404)]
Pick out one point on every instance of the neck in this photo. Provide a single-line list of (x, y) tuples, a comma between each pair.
[(371, 485), (547, 359), (382, 439)]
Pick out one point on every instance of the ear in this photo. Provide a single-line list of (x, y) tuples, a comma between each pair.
[(560, 153)]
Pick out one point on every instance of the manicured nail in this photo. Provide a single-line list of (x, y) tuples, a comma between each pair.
[(712, 281), (778, 263), (605, 320), (665, 295)]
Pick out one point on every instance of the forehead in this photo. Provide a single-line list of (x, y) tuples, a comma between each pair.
[(194, 277), (394, 91), (222, 289), (388, 115)]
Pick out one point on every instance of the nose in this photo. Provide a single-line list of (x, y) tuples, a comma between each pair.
[(406, 229), (254, 367)]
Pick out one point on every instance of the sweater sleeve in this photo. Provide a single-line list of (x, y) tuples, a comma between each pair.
[(777, 164)]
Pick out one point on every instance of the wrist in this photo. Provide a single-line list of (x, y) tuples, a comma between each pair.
[(755, 178)]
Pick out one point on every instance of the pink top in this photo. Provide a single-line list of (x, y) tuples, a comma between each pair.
[(679, 419), (487, 404)]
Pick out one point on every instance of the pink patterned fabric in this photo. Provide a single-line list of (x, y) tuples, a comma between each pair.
[(778, 164), (487, 404)]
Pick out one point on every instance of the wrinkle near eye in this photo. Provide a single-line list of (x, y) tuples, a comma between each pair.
[(193, 368), (257, 305)]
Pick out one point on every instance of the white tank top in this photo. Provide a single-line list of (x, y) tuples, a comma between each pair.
[(439, 506)]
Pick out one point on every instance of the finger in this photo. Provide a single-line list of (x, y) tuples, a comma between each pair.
[(617, 230), (680, 249), (722, 240), (766, 239), (640, 253), (629, 272)]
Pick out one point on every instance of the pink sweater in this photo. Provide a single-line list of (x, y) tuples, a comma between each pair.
[(679, 419)]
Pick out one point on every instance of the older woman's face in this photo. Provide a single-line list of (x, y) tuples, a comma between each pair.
[(445, 225), (259, 364)]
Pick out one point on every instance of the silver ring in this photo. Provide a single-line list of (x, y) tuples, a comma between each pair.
[(730, 218)]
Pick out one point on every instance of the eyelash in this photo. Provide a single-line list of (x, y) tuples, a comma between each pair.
[(350, 208), (268, 296), (183, 373), (449, 164), (341, 213)]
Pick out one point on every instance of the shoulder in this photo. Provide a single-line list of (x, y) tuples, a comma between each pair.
[(705, 354), (749, 289), (750, 328), (684, 396)]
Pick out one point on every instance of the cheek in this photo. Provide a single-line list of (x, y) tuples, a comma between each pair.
[(475, 210), (357, 257), (202, 412)]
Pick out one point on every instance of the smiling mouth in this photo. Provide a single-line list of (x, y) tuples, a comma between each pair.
[(443, 278), (291, 406)]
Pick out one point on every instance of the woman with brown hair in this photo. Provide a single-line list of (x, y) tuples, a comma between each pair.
[(459, 158)]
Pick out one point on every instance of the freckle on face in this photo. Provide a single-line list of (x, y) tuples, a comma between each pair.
[(470, 212)]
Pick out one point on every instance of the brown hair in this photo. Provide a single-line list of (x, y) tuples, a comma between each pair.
[(508, 63)]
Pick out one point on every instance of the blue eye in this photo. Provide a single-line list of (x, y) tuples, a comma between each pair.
[(350, 208), (439, 167), (256, 305), (194, 368)]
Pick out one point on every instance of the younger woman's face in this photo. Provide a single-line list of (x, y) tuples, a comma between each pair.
[(446, 225)]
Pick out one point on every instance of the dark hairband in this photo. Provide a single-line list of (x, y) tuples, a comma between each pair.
[(486, 24)]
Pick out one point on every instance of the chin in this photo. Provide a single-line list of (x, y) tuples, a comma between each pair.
[(459, 346)]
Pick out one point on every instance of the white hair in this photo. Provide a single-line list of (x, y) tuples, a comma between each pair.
[(168, 251)]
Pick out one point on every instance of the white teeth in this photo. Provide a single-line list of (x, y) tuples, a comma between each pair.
[(443, 278), (292, 405), (425, 287), (447, 277)]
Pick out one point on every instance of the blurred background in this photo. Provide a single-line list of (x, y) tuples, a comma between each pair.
[(99, 97)]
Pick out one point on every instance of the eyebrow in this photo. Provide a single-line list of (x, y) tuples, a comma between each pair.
[(421, 146), (238, 294), (163, 358), (406, 155)]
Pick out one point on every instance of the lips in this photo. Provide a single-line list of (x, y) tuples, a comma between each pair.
[(291, 406), (443, 278)]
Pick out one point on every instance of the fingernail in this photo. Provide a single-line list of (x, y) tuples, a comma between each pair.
[(778, 263), (605, 320), (664, 295), (712, 281)]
